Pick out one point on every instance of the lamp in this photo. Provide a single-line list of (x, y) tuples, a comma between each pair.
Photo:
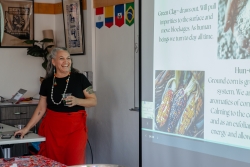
[(50, 35)]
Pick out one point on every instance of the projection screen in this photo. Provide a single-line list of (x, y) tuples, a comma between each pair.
[(194, 83)]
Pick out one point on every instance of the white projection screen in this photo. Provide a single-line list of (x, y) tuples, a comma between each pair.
[(194, 83)]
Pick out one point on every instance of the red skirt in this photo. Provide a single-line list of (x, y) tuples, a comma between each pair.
[(66, 137)]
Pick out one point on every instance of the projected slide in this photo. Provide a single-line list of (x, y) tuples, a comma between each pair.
[(201, 72), (179, 102)]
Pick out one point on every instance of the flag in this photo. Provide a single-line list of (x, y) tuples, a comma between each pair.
[(99, 17), (119, 15), (109, 18), (130, 14)]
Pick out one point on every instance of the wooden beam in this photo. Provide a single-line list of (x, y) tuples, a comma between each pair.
[(84, 4), (50, 8), (58, 8), (44, 8)]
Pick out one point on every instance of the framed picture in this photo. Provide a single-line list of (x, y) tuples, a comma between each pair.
[(17, 22), (73, 26)]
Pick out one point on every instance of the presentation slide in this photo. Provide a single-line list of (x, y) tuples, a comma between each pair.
[(198, 97)]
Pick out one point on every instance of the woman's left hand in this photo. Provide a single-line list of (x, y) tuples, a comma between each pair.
[(71, 101)]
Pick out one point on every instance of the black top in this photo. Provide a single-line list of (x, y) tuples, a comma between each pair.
[(77, 83)]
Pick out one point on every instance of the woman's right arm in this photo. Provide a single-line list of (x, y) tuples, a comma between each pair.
[(38, 114)]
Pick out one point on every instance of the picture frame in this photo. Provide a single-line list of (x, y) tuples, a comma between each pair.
[(17, 23), (73, 26)]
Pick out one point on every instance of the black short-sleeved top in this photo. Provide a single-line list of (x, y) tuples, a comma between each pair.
[(77, 83)]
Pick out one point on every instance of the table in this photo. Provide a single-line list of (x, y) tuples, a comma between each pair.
[(31, 161), (7, 143)]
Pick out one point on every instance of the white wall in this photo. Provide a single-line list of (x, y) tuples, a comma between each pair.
[(113, 129)]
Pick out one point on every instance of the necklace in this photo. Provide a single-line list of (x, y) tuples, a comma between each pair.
[(54, 83)]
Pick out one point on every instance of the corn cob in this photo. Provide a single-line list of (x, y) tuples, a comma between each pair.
[(160, 85), (179, 104), (192, 109), (166, 103), (189, 115), (162, 77), (198, 106), (158, 77), (186, 117), (164, 108)]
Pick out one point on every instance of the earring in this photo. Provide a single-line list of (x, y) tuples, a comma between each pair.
[(55, 77)]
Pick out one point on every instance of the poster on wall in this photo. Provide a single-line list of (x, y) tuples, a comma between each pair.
[(73, 26), (17, 22)]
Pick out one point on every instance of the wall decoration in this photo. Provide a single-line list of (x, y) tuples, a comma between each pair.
[(109, 16), (99, 17), (119, 15), (103, 3), (18, 20), (130, 14), (73, 26)]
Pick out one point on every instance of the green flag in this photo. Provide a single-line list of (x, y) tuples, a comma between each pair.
[(130, 14)]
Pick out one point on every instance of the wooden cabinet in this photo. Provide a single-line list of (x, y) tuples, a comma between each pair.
[(17, 114)]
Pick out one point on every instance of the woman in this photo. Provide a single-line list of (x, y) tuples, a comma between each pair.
[(63, 126)]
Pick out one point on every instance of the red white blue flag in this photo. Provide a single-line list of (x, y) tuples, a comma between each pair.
[(109, 16), (99, 17), (119, 15)]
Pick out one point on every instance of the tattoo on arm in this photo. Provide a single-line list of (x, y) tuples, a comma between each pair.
[(89, 90), (39, 113)]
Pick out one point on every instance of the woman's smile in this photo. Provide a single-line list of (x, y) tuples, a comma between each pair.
[(62, 62)]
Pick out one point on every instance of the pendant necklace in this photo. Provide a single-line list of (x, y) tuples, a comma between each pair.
[(54, 84)]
